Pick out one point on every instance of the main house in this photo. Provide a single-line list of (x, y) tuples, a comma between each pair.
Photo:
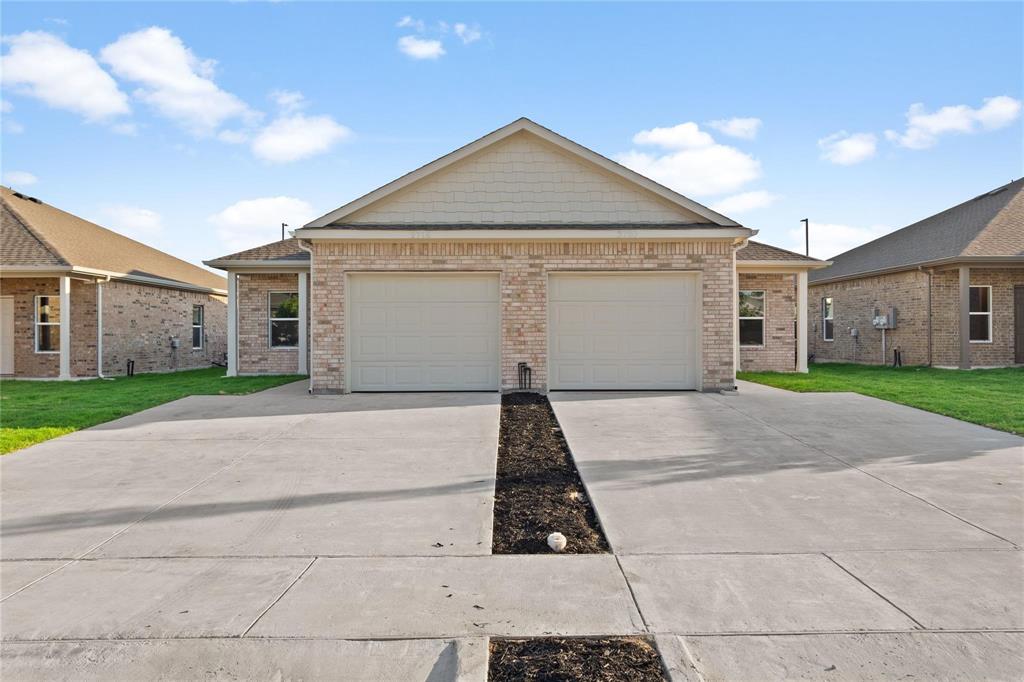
[(521, 259), (946, 291), (78, 300)]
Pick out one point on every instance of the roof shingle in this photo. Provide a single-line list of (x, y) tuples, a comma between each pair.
[(286, 249), (990, 225), (758, 251), (65, 239)]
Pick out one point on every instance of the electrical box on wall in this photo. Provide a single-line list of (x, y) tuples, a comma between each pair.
[(884, 320)]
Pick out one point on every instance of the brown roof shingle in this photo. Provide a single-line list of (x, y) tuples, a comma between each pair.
[(990, 225), (73, 241), (286, 249), (758, 251)]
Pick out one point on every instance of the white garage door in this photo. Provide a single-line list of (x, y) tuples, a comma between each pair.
[(430, 332), (623, 331)]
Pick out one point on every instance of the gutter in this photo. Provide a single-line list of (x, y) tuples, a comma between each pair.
[(499, 234), (932, 264)]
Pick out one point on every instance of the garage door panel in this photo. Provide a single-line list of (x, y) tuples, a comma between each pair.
[(424, 332), (623, 331)]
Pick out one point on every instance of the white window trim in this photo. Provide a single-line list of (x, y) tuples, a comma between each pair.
[(271, 320), (201, 325), (763, 317), (824, 327), (36, 324), (988, 314)]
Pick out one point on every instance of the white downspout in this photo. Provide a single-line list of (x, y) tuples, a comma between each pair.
[(302, 313), (303, 317)]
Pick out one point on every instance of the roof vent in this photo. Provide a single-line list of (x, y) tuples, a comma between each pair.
[(994, 192), (26, 197)]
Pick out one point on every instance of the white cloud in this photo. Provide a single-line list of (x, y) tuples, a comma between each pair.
[(129, 129), (291, 138), (832, 239), (743, 128), (420, 48), (173, 80), (252, 222), (682, 136), (6, 107), (18, 178), (43, 66), (847, 149), (745, 202), (234, 136), (409, 22), (131, 221), (467, 34), (694, 163), (288, 101), (12, 127), (924, 128)]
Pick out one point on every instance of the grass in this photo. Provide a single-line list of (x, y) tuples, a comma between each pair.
[(34, 411), (990, 397)]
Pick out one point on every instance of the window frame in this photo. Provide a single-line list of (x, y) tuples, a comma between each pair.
[(763, 317), (987, 313), (201, 326), (830, 318), (271, 320), (36, 324)]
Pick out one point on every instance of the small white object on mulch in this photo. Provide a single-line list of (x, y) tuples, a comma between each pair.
[(556, 541)]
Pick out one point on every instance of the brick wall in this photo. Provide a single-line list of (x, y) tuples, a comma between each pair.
[(255, 356), (523, 268), (779, 351), (946, 317), (908, 293), (854, 302), (139, 321), (29, 363)]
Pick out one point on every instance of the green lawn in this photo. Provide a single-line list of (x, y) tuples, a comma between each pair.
[(34, 411), (991, 397)]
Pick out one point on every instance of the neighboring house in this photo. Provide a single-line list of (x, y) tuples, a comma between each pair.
[(521, 248), (77, 300), (955, 280)]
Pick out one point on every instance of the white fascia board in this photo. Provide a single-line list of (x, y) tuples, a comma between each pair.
[(152, 281), (258, 265), (505, 234), (779, 265), (34, 270)]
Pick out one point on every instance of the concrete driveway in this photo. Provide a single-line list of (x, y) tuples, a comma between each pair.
[(762, 531), (761, 535)]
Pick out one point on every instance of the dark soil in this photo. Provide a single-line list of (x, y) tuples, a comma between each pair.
[(608, 659), (538, 490)]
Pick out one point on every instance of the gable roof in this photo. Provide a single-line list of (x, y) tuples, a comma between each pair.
[(705, 217), (758, 251), (284, 251), (988, 226), (37, 234)]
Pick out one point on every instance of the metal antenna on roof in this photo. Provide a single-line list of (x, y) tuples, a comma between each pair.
[(807, 236), (283, 225)]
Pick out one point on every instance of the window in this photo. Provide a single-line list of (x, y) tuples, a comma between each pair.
[(827, 316), (751, 318), (47, 324), (198, 332), (981, 314), (284, 319)]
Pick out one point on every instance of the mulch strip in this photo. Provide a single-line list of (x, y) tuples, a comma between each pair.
[(538, 490), (608, 659)]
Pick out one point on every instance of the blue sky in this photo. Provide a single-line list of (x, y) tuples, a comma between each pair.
[(198, 128)]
